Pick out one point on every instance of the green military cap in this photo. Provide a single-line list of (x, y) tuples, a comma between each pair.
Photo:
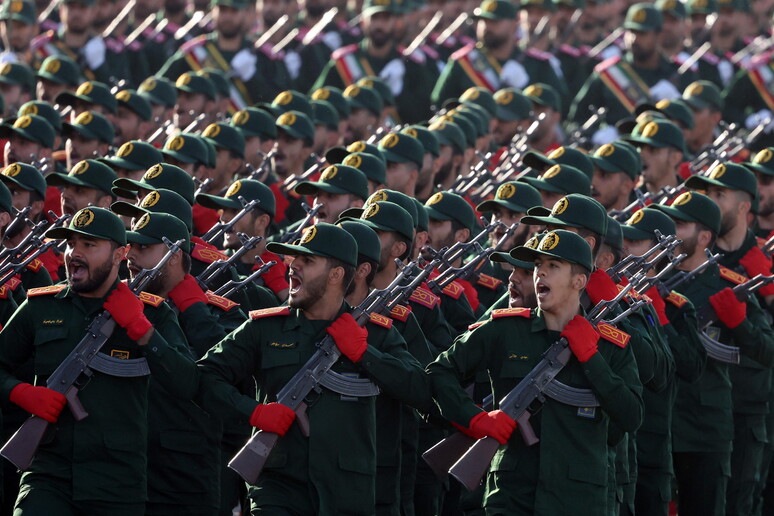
[(657, 133), (423, 220), (291, 100), (91, 92), (467, 128), (703, 94), (337, 154), (324, 114), (387, 195), (297, 125), (135, 155), (381, 87), (255, 122), (19, 10), (59, 69), (235, 4), (762, 162), (190, 82), (729, 4), (32, 127), (547, 5), (210, 149), (324, 240), (218, 79), (701, 6), (477, 114), (159, 91), (94, 222), (573, 4), (25, 177), (6, 202), (644, 223), (496, 10), (726, 175), (614, 158), (693, 207), (675, 110), (362, 97), (480, 126), (373, 167), (91, 125), (450, 206), (152, 228), (425, 136), (132, 100), (89, 173), (249, 189), (560, 156), (501, 257), (42, 109), (512, 104), (402, 148), (449, 133), (186, 148), (337, 179), (513, 195), (335, 96), (17, 74), (614, 234), (158, 201), (371, 7), (161, 175), (562, 244), (225, 136), (544, 94), (562, 179), (368, 243), (388, 216), (481, 97), (643, 17), (674, 8), (573, 210)]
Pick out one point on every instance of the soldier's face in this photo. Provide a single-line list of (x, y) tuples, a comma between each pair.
[(655, 163), (379, 28), (128, 126), (74, 198), (146, 256), (79, 147), (77, 16), (271, 10), (228, 21), (401, 177), (521, 289), (89, 262), (641, 44), (308, 279), (765, 194), (188, 106), (550, 198), (609, 187), (637, 247), (731, 210), (673, 31), (440, 234), (17, 33), (333, 205), (48, 90), (553, 280), (508, 217), (688, 232), (244, 225), (291, 153), (21, 149), (496, 33)]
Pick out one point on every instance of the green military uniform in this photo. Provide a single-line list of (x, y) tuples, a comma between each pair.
[(749, 99)]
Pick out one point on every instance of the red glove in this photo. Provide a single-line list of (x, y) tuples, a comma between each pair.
[(728, 308), (582, 337), (273, 417), (601, 287), (198, 241), (350, 338), (755, 262), (186, 293), (658, 304), (126, 309), (41, 401), (496, 424)]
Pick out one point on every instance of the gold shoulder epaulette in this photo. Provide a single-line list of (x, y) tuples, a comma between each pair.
[(400, 313), (41, 291), (269, 312), (221, 302), (381, 320), (677, 299), (150, 299), (732, 276), (487, 281), (424, 298), (510, 312), (613, 334)]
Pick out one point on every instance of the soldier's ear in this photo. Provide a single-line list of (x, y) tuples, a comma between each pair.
[(579, 281)]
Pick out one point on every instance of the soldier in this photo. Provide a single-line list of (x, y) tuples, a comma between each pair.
[(405, 156), (733, 188), (69, 473), (343, 432), (616, 169), (365, 115), (89, 136), (133, 158), (339, 187), (662, 147), (620, 84), (562, 264), (762, 164), (706, 103), (254, 77), (377, 55), (90, 96), (260, 134), (30, 138), (162, 96), (88, 183), (56, 75), (703, 424), (133, 117), (230, 150), (195, 97), (496, 61), (17, 86), (545, 101), (559, 181), (18, 26), (514, 114)]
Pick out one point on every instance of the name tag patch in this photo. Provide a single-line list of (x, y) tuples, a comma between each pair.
[(587, 412)]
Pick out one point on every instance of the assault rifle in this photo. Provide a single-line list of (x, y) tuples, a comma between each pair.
[(232, 287), (311, 213), (633, 264), (645, 199), (22, 446), (216, 269), (250, 460), (221, 228), (665, 287), (292, 180), (706, 316), (471, 465)]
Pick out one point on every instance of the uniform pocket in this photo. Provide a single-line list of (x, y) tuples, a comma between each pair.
[(48, 355), (182, 441), (357, 464), (590, 475), (279, 357)]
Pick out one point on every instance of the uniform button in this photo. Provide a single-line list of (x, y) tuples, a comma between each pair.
[(154, 349)]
